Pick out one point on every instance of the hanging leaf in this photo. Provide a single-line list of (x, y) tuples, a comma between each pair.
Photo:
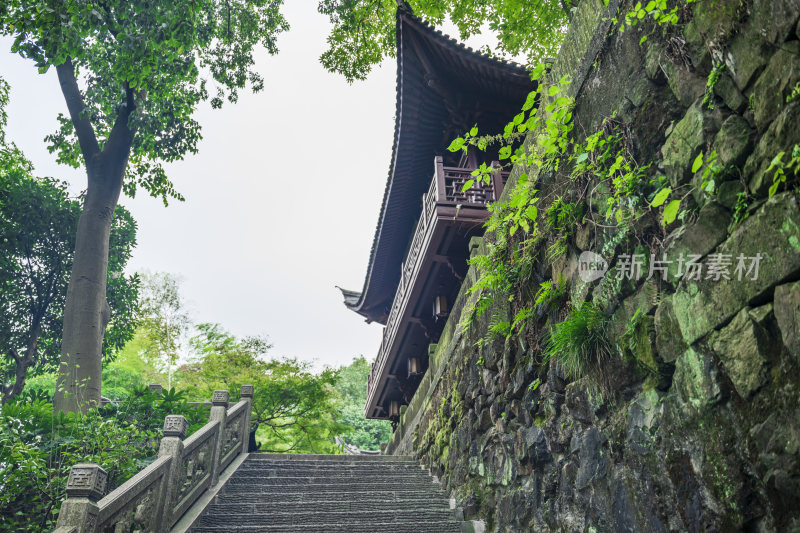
[(661, 197), (698, 162), (670, 212), (456, 145)]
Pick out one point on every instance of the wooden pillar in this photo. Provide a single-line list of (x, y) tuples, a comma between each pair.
[(441, 191)]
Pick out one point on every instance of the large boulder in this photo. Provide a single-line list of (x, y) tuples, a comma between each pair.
[(685, 140), (743, 347), (703, 305), (781, 135), (787, 313), (775, 84)]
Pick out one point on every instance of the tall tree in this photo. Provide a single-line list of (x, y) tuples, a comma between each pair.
[(363, 31), (130, 72), (164, 320), (38, 220)]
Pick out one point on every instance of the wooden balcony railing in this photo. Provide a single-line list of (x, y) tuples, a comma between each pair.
[(445, 190)]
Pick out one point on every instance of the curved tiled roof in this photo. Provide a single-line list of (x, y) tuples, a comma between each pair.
[(428, 60)]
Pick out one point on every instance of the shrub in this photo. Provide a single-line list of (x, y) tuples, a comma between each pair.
[(581, 343), (38, 448)]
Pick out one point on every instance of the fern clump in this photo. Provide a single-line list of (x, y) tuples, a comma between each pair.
[(581, 343)]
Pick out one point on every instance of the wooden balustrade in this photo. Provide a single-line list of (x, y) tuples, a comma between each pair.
[(446, 189), (155, 499)]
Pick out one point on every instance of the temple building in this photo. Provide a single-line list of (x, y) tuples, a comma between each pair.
[(419, 253)]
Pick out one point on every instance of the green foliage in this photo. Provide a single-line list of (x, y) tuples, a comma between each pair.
[(783, 169), (351, 386), (294, 407), (708, 185), (551, 294), (363, 31), (740, 211), (581, 343), (38, 448), (795, 94), (662, 12), (146, 64), (38, 221), (711, 82)]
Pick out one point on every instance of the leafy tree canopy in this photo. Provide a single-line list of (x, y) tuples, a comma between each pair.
[(352, 386), (294, 407), (364, 30), (142, 67)]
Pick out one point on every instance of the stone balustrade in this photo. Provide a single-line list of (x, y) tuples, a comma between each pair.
[(157, 497)]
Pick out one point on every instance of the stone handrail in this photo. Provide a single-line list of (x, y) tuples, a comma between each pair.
[(154, 500)]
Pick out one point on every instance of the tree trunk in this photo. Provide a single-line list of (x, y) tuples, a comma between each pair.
[(86, 312), (24, 362)]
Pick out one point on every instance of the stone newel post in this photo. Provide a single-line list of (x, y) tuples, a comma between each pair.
[(219, 412), (175, 427), (85, 486), (246, 394)]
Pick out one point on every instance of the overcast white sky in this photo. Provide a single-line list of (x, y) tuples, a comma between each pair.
[(281, 200)]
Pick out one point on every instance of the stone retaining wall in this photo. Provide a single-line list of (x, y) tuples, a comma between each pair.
[(702, 430)]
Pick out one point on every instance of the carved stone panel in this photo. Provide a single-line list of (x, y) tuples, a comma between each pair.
[(220, 397), (175, 426), (87, 480)]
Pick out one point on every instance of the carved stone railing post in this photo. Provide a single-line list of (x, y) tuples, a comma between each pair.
[(85, 486), (219, 412), (155, 388), (175, 427), (246, 394)]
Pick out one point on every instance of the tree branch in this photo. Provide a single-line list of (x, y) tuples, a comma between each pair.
[(120, 139), (75, 105)]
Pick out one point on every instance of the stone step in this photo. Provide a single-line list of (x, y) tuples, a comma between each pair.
[(330, 467), (368, 504), (300, 496), (444, 526), (331, 458), (268, 473), (269, 484), (314, 518)]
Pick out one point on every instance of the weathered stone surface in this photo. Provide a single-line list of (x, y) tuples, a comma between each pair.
[(730, 93), (712, 23), (775, 18), (669, 341), (781, 135), (642, 421), (592, 458), (775, 84), (685, 84), (733, 141), (728, 193), (787, 313), (710, 229), (696, 380), (743, 348), (748, 52), (685, 141), (702, 305)]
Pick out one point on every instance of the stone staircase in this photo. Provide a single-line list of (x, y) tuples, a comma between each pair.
[(330, 493)]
